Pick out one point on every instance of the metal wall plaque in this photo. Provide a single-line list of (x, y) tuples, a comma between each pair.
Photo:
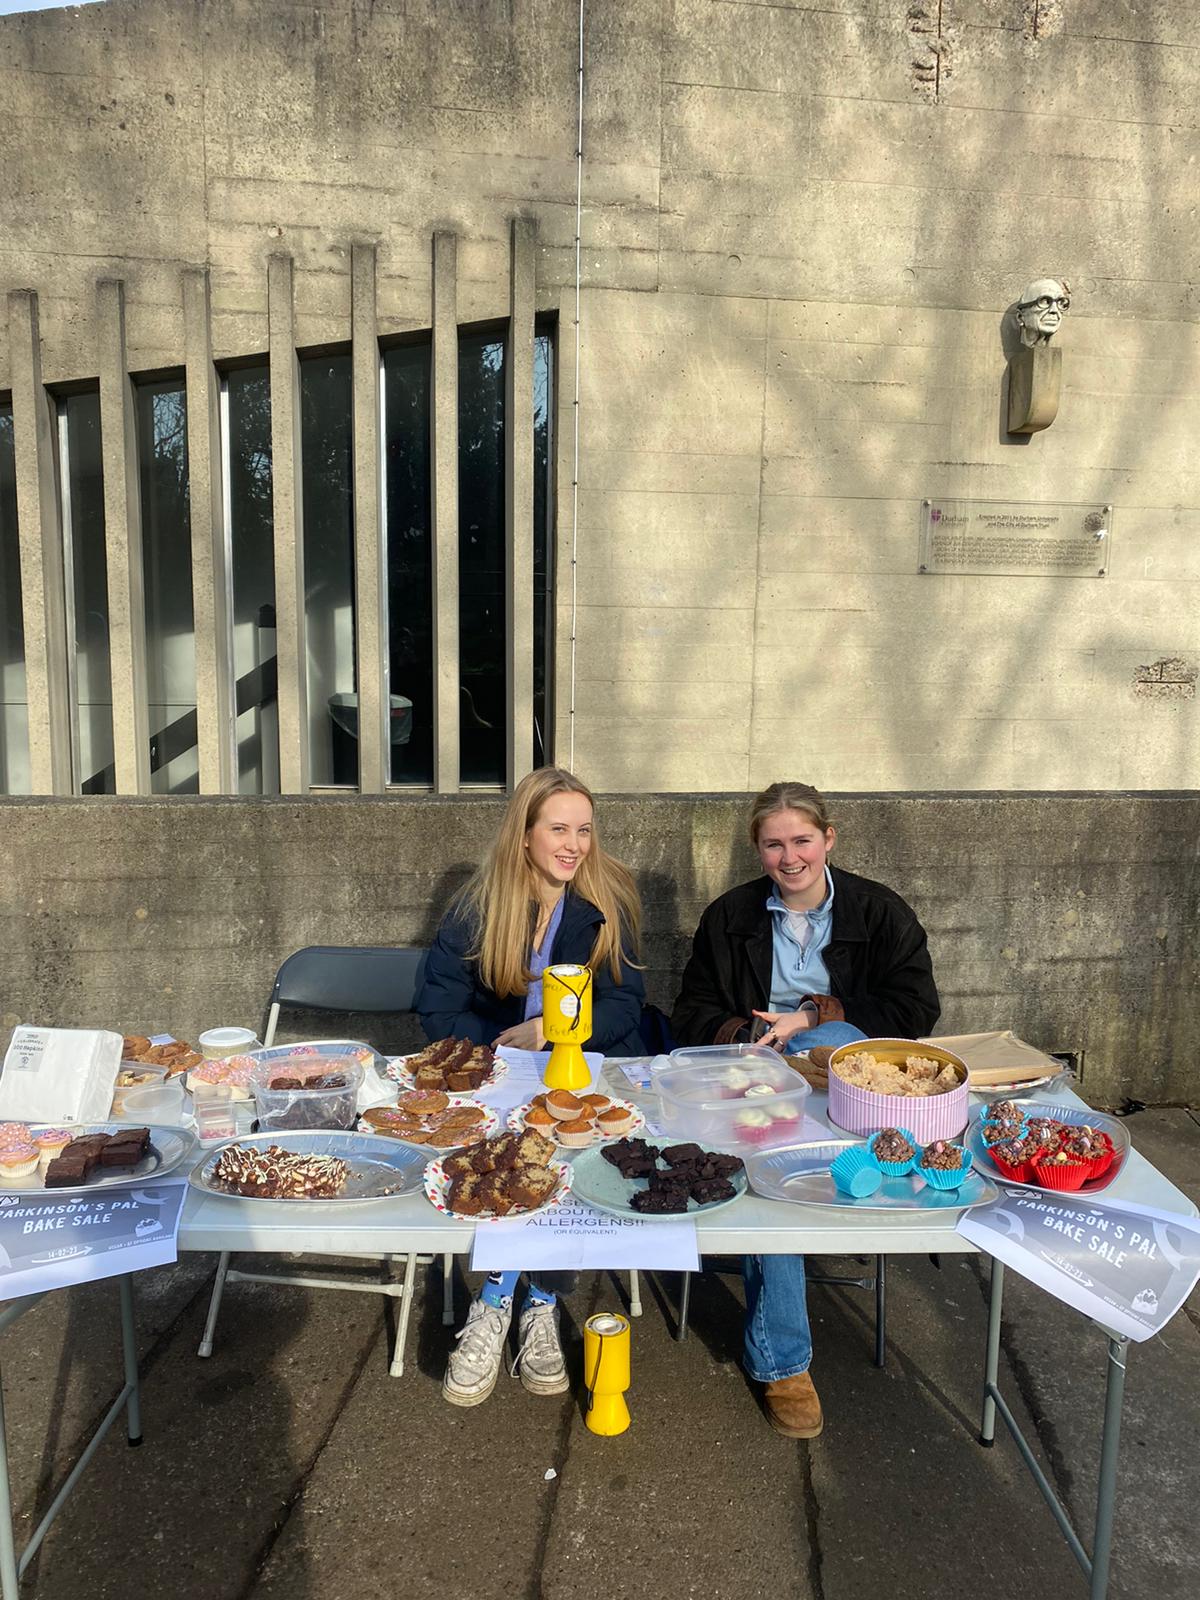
[(1013, 537)]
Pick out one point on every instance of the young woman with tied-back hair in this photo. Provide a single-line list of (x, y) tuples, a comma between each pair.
[(815, 957), (546, 893)]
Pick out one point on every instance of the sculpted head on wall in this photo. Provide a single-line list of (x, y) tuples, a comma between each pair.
[(1041, 308)]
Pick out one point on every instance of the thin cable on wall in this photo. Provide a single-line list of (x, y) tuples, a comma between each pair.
[(575, 408)]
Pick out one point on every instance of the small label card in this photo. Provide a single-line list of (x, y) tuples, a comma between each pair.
[(48, 1243), (572, 1236), (1128, 1267)]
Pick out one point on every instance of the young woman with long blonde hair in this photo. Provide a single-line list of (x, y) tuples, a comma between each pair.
[(547, 892)]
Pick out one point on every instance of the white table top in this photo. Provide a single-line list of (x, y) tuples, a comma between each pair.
[(752, 1225)]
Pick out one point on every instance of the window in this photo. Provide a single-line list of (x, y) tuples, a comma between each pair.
[(408, 499), (86, 567), (481, 549), (246, 453), (161, 411), (14, 710), (327, 484)]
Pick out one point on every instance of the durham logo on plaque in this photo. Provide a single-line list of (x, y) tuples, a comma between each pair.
[(1016, 539)]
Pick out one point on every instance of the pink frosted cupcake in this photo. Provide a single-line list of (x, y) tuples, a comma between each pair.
[(13, 1133), (17, 1161), (51, 1142)]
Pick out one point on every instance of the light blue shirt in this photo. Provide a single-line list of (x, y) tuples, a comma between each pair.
[(539, 960), (798, 940)]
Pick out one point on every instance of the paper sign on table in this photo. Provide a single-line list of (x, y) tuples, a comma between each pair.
[(1126, 1266), (524, 1077), (48, 1243), (572, 1236)]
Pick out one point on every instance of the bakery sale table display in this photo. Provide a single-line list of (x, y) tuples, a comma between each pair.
[(407, 1224)]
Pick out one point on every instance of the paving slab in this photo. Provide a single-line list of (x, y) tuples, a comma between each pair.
[(412, 1492), (62, 1370), (228, 1442)]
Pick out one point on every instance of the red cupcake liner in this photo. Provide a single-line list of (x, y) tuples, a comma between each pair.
[(1065, 1176), (1016, 1172)]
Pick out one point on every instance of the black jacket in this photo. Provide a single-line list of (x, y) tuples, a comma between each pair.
[(877, 958), (455, 1003)]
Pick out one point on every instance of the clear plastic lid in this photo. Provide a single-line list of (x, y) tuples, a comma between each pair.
[(722, 1076)]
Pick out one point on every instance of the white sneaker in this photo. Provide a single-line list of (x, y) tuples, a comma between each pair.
[(473, 1368), (540, 1358)]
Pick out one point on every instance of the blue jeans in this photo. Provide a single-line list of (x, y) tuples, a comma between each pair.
[(830, 1034), (778, 1340)]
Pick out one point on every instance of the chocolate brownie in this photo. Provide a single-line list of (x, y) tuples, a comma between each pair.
[(280, 1084), (67, 1170), (660, 1202), (706, 1190), (679, 1155)]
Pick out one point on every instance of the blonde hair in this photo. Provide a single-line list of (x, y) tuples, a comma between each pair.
[(502, 894), (800, 797)]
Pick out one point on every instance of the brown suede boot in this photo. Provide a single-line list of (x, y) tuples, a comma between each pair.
[(793, 1407)]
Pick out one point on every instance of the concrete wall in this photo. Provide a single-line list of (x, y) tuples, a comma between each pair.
[(1070, 918), (802, 227)]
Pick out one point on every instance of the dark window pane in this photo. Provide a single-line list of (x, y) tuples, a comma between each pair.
[(14, 712), (407, 464), (481, 542), (167, 577), (252, 555), (543, 553), (327, 483), (87, 589)]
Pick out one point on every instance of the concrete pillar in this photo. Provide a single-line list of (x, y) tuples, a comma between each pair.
[(40, 543), (370, 575), (562, 435), (444, 425), (212, 594), (518, 498), (122, 546), (291, 642)]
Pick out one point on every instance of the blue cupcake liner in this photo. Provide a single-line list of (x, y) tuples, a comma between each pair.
[(855, 1172), (986, 1122), (937, 1179), (897, 1169)]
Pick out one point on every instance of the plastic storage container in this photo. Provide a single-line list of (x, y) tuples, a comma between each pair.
[(297, 1093), (218, 1044), (737, 1098)]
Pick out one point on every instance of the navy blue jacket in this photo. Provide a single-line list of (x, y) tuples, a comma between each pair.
[(455, 1003)]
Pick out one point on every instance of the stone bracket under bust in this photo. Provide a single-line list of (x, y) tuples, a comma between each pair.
[(1035, 370)]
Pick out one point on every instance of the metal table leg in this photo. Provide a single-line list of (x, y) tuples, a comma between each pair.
[(991, 1369), (133, 1411), (9, 1580), (880, 1310), (1118, 1350), (685, 1296), (1096, 1567)]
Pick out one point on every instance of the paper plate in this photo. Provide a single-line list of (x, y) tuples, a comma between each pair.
[(397, 1070), (436, 1185), (483, 1130), (516, 1124)]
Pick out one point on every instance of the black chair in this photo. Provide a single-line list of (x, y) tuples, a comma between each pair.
[(343, 978), (333, 977)]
